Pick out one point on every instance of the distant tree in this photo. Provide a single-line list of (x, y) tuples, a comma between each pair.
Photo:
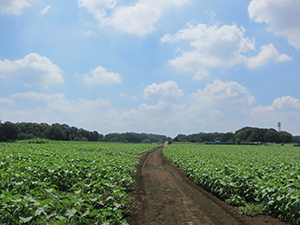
[(94, 136), (100, 137), (133, 137), (180, 138), (254, 136), (83, 133), (227, 137), (111, 137), (10, 131), (147, 141), (296, 139), (272, 136), (2, 132), (243, 134), (285, 137), (66, 130), (56, 132), (23, 136), (192, 140)]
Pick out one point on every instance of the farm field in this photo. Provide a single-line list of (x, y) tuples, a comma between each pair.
[(257, 179), (67, 182)]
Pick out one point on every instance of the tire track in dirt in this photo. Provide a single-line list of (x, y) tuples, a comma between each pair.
[(165, 196)]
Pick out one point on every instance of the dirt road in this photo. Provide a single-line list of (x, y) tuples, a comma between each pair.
[(165, 196)]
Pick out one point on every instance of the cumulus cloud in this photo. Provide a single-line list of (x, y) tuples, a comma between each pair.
[(138, 19), (56, 108), (32, 71), (224, 94), (284, 108), (214, 46), (282, 17), (267, 54), (14, 7), (101, 76), (210, 108), (168, 90), (7, 101)]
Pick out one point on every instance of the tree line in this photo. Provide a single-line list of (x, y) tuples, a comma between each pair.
[(245, 134), (63, 132)]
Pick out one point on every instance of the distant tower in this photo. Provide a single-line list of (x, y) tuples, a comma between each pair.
[(279, 126)]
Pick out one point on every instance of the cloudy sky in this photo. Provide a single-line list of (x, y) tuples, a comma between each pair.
[(164, 67)]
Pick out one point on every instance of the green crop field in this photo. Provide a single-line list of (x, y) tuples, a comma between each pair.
[(258, 179), (67, 182)]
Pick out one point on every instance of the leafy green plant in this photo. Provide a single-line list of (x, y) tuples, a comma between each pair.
[(246, 176), (67, 182), (252, 209)]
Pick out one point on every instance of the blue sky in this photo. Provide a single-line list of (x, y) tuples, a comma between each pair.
[(165, 67)]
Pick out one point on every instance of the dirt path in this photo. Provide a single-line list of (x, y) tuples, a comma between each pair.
[(165, 196)]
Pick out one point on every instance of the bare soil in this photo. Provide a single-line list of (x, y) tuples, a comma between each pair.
[(165, 196)]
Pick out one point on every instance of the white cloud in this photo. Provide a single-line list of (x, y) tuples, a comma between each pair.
[(281, 108), (138, 19), (282, 17), (267, 54), (53, 108), (56, 108), (224, 94), (204, 111), (88, 33), (14, 7), (214, 46), (7, 101), (99, 102), (168, 90), (38, 96), (101, 76), (97, 7), (285, 109), (32, 71), (26, 114), (45, 10), (210, 109), (162, 105), (80, 108)]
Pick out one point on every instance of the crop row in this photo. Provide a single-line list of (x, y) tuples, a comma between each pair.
[(264, 176), (67, 182)]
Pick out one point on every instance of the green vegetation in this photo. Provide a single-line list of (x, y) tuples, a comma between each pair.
[(258, 179), (67, 182), (245, 134), (10, 132)]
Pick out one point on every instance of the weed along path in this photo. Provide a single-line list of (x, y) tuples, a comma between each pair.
[(165, 196)]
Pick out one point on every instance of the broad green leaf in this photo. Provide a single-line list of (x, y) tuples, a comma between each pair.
[(25, 219), (70, 212)]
